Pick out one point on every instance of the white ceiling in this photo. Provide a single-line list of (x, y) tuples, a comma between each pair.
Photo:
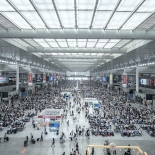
[(77, 14)]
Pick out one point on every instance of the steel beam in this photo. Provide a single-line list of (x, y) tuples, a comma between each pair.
[(77, 34), (132, 14), (78, 57), (113, 13), (76, 50), (19, 13)]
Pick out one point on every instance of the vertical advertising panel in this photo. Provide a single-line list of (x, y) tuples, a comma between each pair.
[(30, 79), (44, 77), (55, 77), (124, 80), (111, 78)]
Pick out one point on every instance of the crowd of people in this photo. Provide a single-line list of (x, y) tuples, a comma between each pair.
[(115, 114)]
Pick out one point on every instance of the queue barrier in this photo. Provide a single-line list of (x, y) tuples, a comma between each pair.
[(138, 150)]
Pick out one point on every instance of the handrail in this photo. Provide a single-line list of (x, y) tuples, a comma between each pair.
[(138, 150)]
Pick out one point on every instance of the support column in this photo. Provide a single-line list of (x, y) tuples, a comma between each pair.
[(137, 79), (17, 77)]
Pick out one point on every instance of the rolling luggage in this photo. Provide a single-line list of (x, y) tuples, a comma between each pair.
[(25, 143)]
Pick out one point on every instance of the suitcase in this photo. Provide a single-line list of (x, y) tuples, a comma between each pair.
[(7, 138), (25, 143)]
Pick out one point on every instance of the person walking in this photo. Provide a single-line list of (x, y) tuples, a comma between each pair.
[(77, 147), (53, 143), (41, 138)]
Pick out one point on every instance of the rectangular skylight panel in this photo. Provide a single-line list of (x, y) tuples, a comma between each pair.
[(86, 4), (82, 40), (54, 53), (148, 5), (34, 19), (81, 44), (67, 53), (91, 44), (53, 44), (109, 45), (39, 40), (65, 4), (50, 18), (100, 54), (60, 53), (121, 43), (17, 19), (5, 6), (100, 45), (135, 20), (50, 40), (62, 44), (44, 4), (44, 44), (71, 44), (84, 19), (21, 42), (93, 53), (86, 53), (22, 4), (107, 5), (128, 5), (101, 18), (71, 40), (114, 40), (92, 40), (118, 19), (32, 42), (67, 18), (103, 40)]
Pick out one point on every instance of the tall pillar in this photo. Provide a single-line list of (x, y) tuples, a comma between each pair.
[(137, 79), (111, 78), (17, 77)]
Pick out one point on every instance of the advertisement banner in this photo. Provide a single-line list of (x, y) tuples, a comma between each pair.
[(124, 80), (55, 77), (44, 78), (30, 79)]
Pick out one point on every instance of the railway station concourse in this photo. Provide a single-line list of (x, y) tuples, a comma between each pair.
[(56, 53)]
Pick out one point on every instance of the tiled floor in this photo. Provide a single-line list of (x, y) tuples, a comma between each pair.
[(15, 146)]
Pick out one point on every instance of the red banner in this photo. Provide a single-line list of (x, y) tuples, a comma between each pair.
[(30, 78), (124, 78), (55, 76), (44, 77)]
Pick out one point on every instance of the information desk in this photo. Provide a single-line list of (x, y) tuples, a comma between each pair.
[(51, 113), (90, 100), (54, 125)]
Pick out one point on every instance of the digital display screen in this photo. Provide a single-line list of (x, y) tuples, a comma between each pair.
[(2, 79), (51, 78), (104, 79), (143, 81)]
